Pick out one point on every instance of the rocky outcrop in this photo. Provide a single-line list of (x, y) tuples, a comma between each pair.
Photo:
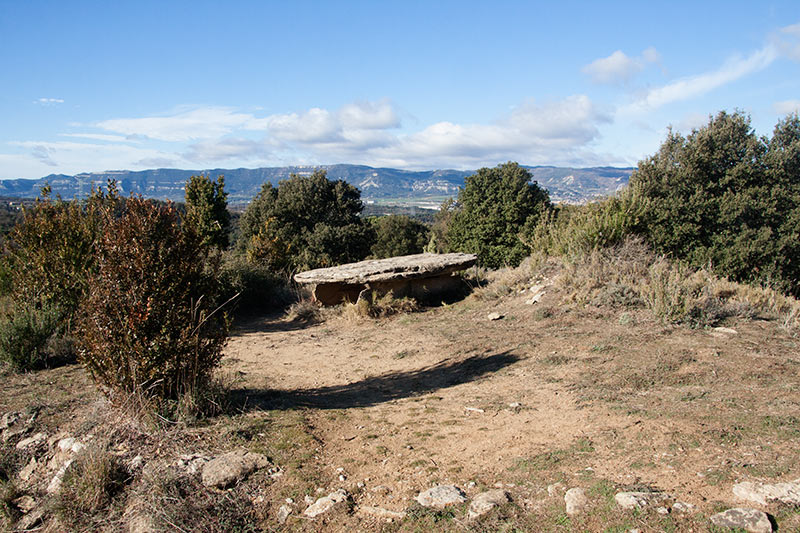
[(751, 520), (231, 467), (420, 276), (486, 501), (763, 493), (441, 496)]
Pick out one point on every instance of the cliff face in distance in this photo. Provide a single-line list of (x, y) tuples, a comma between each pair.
[(426, 188)]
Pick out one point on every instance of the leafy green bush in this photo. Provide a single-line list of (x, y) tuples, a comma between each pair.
[(397, 235), (727, 198), (253, 285), (207, 209), (151, 322), (305, 222), (491, 211), (25, 332)]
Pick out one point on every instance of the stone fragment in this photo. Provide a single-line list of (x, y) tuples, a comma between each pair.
[(232, 467), (380, 512), (326, 503), (24, 503), (283, 513), (32, 441), (576, 501), (308, 499), (9, 419), (494, 316), (55, 484), (27, 471), (555, 489), (751, 520), (683, 508), (381, 489), (441, 496), (31, 519), (486, 501), (535, 298), (763, 493), (635, 500)]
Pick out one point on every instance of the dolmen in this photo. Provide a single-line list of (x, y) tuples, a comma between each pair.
[(420, 276)]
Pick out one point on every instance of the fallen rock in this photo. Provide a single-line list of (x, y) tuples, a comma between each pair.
[(27, 471), (55, 484), (751, 520), (70, 445), (535, 298), (576, 501), (32, 441), (283, 513), (326, 503), (24, 503), (683, 508), (486, 501), (494, 316), (441, 496), (30, 520), (232, 467), (380, 512), (9, 419), (635, 500), (762, 493)]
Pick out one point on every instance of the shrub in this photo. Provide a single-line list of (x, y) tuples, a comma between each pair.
[(207, 209), (25, 333), (151, 323), (259, 289), (305, 222), (397, 235), (492, 209)]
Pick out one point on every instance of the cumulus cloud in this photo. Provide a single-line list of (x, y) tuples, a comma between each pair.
[(48, 101), (693, 86), (786, 107), (619, 67)]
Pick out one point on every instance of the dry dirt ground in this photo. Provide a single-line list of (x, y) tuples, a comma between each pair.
[(549, 395)]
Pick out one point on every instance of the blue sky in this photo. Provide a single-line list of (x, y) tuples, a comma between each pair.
[(93, 86)]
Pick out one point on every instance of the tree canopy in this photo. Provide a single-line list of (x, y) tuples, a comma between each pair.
[(491, 211), (305, 222), (726, 198), (397, 235), (207, 209)]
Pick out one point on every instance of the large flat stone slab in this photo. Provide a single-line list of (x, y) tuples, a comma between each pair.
[(418, 276)]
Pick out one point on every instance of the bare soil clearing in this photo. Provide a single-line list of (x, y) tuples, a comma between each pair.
[(550, 395)]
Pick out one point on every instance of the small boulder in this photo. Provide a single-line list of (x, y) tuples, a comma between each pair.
[(441, 496), (762, 493), (24, 503), (576, 501), (326, 503), (636, 500), (751, 520), (283, 513), (55, 484), (232, 467), (9, 419), (494, 316), (32, 441), (486, 501), (683, 508), (31, 519)]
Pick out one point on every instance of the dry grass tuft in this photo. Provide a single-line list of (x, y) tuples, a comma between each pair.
[(304, 310), (377, 305)]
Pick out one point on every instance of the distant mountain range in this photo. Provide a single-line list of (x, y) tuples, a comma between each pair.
[(425, 188)]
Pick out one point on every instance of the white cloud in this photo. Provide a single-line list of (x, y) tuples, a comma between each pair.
[(694, 86), (100, 137), (369, 115), (48, 101), (619, 67), (226, 149), (786, 107), (788, 41), (202, 123)]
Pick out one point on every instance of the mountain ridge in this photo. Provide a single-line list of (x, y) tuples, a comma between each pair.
[(377, 184)]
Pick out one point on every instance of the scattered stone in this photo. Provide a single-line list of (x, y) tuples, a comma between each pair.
[(441, 496), (232, 467), (380, 512), (635, 500), (70, 445), (283, 513), (55, 483), (474, 409), (662, 510), (683, 508), (762, 493), (289, 501), (27, 471), (31, 520), (486, 501), (576, 501), (9, 419), (535, 298), (136, 463), (515, 405), (725, 331), (308, 499), (494, 316), (24, 503), (381, 489), (32, 441), (326, 503), (555, 489), (360, 485), (751, 520)]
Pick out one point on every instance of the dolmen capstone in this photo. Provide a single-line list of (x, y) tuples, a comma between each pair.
[(420, 276)]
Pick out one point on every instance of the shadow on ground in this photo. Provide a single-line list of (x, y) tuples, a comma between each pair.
[(378, 389)]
